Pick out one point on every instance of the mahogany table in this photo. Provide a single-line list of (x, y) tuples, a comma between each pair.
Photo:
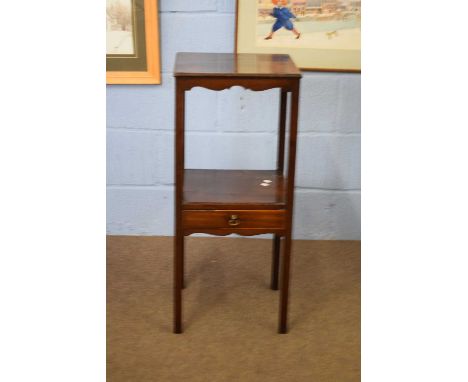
[(244, 202)]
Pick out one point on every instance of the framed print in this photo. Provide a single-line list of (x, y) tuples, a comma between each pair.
[(321, 35), (132, 46)]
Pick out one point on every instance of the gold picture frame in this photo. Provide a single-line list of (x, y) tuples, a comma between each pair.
[(141, 64), (330, 36)]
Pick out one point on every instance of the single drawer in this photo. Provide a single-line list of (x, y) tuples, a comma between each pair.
[(234, 219)]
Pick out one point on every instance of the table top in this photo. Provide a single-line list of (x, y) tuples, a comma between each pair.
[(234, 65)]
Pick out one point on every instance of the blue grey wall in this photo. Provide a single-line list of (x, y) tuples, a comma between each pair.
[(230, 129)]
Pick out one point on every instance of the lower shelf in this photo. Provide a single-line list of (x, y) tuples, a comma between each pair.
[(233, 189)]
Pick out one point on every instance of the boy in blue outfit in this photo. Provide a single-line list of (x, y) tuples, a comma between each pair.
[(283, 18)]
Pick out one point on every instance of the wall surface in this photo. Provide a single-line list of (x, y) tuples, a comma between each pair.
[(221, 126)]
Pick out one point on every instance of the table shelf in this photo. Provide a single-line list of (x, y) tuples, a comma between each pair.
[(233, 189)]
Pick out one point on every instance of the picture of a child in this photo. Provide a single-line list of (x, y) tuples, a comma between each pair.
[(283, 18)]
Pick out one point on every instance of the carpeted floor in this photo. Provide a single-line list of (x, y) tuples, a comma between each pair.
[(230, 314)]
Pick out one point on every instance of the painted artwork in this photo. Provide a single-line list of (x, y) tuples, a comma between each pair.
[(322, 24), (318, 34), (119, 25), (132, 43)]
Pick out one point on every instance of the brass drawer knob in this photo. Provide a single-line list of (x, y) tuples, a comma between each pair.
[(234, 220)]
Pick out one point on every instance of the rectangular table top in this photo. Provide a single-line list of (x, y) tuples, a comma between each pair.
[(234, 65)]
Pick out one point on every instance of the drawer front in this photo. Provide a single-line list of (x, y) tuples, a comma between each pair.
[(234, 219)]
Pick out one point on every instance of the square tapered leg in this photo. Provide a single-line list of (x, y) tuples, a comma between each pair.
[(275, 261), (178, 282), (284, 286)]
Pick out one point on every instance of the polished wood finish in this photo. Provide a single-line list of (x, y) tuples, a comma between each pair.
[(284, 287), (275, 261), (179, 185), (282, 131), (234, 220), (233, 189), (244, 202), (221, 83), (234, 65)]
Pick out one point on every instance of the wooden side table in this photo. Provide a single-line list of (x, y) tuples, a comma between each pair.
[(244, 202)]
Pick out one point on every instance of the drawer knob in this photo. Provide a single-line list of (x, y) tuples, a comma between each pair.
[(234, 220)]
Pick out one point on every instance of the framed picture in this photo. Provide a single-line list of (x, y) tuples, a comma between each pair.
[(320, 35), (132, 49)]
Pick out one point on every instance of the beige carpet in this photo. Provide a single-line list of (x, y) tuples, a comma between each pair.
[(230, 314)]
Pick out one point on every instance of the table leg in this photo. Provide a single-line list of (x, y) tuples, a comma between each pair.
[(179, 184), (275, 261), (284, 293), (178, 281), (182, 260), (284, 287)]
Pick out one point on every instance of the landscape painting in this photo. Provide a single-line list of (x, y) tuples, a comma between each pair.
[(321, 24), (119, 26), (318, 34), (132, 43)]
